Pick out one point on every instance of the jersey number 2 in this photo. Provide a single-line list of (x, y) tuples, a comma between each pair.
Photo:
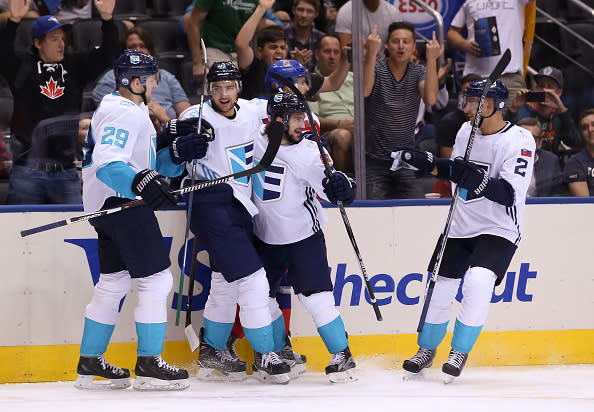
[(521, 167), (120, 139)]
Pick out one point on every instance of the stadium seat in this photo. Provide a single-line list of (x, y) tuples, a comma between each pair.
[(87, 33), (170, 40), (134, 10), (169, 8)]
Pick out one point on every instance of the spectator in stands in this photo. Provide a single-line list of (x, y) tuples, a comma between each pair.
[(375, 13), (559, 133), (393, 90), (447, 127), (579, 171), (218, 23), (506, 22), (546, 177), (169, 99), (302, 36), (271, 46), (335, 109), (47, 88), (32, 13)]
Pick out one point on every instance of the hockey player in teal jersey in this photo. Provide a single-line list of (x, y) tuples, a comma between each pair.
[(120, 163)]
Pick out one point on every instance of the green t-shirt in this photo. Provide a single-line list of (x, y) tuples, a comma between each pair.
[(224, 21)]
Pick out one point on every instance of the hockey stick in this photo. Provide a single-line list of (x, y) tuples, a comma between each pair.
[(274, 140), (443, 238), (328, 172), (189, 330), (191, 199)]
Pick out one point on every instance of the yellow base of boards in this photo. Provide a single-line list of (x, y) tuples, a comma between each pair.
[(58, 362)]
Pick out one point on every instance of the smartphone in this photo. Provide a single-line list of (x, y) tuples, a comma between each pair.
[(538, 97)]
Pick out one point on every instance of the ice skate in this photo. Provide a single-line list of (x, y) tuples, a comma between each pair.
[(270, 368), (341, 368), (414, 368), (454, 365), (154, 374), (295, 360), (90, 367), (220, 365)]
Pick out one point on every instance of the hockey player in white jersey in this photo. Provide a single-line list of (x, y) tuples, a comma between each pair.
[(221, 218), (486, 226), (120, 163), (288, 229)]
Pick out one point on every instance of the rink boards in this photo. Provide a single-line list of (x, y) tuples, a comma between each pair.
[(541, 314)]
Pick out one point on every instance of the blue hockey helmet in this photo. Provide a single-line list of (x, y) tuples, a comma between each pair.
[(284, 105), (497, 92), (134, 63), (291, 69)]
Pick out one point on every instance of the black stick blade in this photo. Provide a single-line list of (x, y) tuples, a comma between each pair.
[(500, 66)]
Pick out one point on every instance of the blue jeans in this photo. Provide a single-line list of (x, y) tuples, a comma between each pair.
[(28, 186)]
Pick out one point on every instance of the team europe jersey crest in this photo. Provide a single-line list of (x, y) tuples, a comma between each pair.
[(241, 158), (268, 185)]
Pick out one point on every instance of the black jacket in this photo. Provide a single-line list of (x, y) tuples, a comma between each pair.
[(44, 91)]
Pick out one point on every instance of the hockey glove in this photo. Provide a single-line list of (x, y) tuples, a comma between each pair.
[(340, 187), (423, 162), (176, 128), (154, 189), (309, 135), (189, 147), (470, 176)]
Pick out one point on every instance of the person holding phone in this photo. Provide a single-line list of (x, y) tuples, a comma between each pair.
[(558, 131)]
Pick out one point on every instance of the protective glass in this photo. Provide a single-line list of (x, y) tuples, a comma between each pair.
[(225, 89), (470, 102)]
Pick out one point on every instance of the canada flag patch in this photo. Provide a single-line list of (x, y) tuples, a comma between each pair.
[(526, 152), (52, 89)]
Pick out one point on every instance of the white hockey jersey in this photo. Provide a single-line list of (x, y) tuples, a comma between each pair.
[(120, 131), (231, 151), (285, 193), (507, 154)]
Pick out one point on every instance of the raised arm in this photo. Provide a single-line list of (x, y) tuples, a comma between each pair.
[(192, 24), (372, 46), (430, 86), (245, 54)]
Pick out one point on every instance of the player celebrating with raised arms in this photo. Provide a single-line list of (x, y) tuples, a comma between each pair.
[(288, 229), (120, 163), (486, 227), (221, 218)]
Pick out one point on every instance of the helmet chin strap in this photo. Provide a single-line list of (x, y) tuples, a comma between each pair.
[(486, 117), (141, 94)]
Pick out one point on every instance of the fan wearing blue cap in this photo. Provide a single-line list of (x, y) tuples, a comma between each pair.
[(47, 85)]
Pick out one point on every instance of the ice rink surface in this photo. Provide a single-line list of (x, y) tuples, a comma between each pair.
[(503, 389)]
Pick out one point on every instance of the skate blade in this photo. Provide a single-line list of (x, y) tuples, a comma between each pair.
[(343, 377), (87, 382), (145, 383), (412, 376), (280, 379), (214, 375), (297, 370), (447, 379)]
